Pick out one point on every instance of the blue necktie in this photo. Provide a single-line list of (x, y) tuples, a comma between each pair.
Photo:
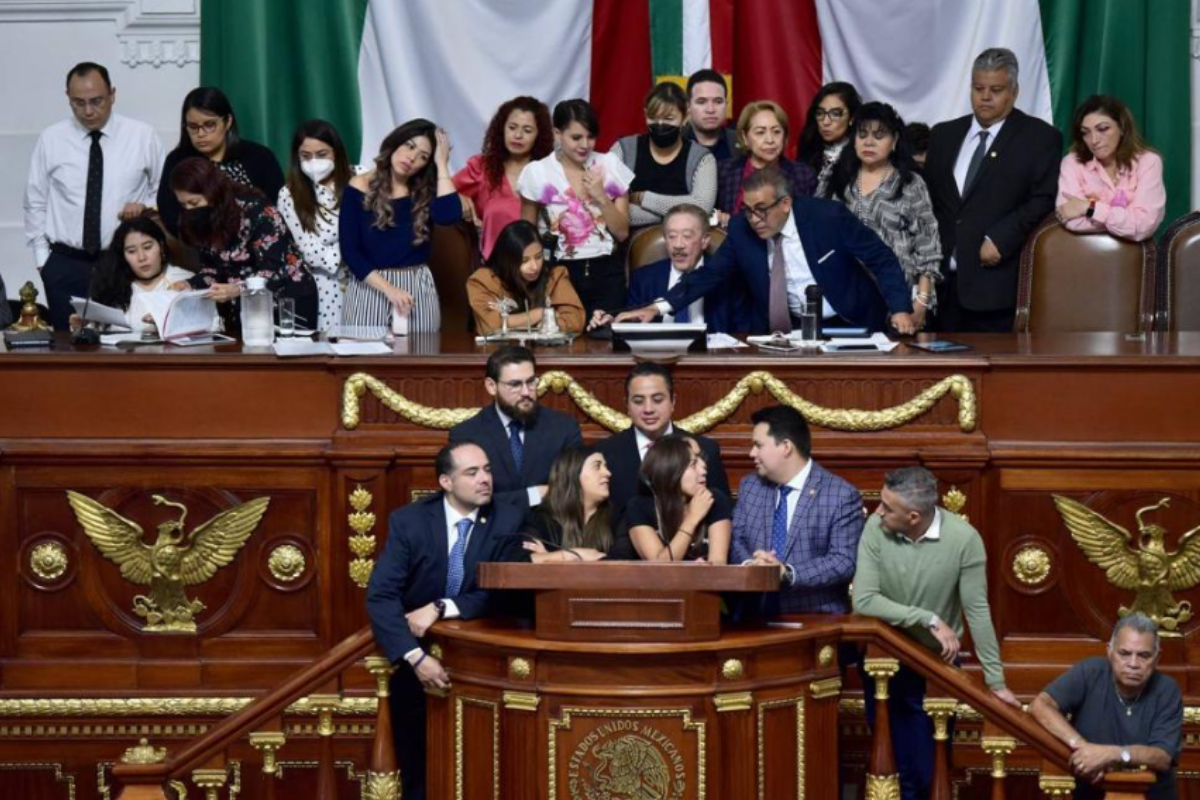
[(514, 441), (455, 569), (779, 525)]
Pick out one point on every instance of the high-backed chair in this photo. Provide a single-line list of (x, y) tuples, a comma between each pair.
[(455, 256), (648, 246), (1073, 282), (1179, 276)]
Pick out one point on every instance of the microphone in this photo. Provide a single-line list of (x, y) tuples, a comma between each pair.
[(644, 480), (814, 296)]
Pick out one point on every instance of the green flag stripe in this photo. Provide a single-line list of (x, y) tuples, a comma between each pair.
[(280, 66), (1119, 47), (666, 36)]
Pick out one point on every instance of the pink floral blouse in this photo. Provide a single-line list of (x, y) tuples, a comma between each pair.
[(578, 223)]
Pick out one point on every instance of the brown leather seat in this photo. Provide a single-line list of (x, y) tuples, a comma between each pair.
[(1071, 282), (455, 256), (649, 246), (1179, 276)]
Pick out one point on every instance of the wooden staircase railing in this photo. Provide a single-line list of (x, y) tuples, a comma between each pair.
[(146, 773)]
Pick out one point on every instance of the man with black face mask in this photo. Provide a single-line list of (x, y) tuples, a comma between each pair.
[(668, 168)]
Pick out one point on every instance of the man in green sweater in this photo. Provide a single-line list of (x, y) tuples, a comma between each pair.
[(923, 569)]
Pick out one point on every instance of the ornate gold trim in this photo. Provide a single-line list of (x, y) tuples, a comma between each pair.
[(958, 386), (1057, 786), (286, 563), (381, 786), (361, 544), (999, 748), (460, 768), (59, 775), (882, 670), (733, 701), (1191, 715), (1031, 565), (144, 753), (954, 501), (826, 656), (689, 725), (763, 708), (519, 669), (941, 709), (521, 701), (268, 743), (733, 669), (49, 560), (882, 787), (829, 687), (210, 780)]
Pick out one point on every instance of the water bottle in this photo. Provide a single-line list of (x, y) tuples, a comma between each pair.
[(258, 313)]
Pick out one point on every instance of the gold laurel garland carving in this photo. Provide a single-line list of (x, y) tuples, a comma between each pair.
[(838, 419)]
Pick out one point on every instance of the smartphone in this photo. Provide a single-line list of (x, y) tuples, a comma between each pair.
[(850, 348), (940, 346)]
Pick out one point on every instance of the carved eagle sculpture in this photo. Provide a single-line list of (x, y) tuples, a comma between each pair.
[(176, 559), (1149, 570)]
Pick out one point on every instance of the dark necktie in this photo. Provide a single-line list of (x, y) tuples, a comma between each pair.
[(976, 162), (779, 525), (518, 447), (455, 570), (779, 318), (95, 190)]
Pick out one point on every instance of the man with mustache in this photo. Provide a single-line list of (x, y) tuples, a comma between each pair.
[(1124, 712), (521, 438)]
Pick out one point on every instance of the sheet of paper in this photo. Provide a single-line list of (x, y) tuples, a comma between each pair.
[(723, 341), (298, 348), (362, 349), (113, 339), (880, 341), (91, 311), (188, 313), (199, 339), (369, 333)]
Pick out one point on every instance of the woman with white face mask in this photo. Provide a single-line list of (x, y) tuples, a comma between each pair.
[(319, 171)]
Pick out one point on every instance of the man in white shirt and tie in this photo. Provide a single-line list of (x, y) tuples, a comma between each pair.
[(87, 174), (779, 246)]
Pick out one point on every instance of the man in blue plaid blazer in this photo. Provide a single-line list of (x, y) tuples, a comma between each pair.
[(797, 515)]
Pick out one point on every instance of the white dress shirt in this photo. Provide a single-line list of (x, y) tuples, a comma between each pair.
[(696, 309), (138, 309), (933, 533), (535, 497), (452, 519), (970, 143), (56, 191), (796, 484), (644, 443), (799, 274)]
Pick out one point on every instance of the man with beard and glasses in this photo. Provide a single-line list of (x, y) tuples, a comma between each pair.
[(521, 438), (1124, 713)]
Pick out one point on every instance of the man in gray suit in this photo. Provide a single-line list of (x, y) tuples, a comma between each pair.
[(797, 515)]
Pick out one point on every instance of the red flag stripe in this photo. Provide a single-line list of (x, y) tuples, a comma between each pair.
[(621, 67)]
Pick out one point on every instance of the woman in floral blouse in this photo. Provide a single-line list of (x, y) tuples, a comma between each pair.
[(238, 235), (582, 198)]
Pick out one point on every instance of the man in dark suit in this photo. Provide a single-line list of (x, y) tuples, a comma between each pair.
[(992, 175), (427, 573), (795, 514), (521, 438), (779, 246), (650, 403), (686, 233)]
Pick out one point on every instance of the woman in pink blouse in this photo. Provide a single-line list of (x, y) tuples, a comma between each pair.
[(1111, 181), (519, 132)]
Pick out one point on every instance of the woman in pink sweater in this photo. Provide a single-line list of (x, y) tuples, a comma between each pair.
[(1111, 181)]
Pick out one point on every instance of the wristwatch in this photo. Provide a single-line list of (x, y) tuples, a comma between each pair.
[(1091, 209), (934, 621), (1126, 758), (440, 607)]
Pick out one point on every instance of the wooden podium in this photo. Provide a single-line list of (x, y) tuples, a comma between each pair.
[(627, 687)]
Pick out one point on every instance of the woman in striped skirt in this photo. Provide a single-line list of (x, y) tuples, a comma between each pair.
[(384, 227)]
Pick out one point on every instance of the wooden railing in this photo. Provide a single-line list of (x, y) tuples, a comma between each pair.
[(1005, 727)]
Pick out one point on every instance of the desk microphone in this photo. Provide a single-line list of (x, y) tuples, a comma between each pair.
[(644, 480)]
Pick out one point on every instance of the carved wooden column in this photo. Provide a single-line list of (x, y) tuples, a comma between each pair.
[(326, 775), (383, 779), (999, 748), (269, 743), (210, 780), (942, 710), (883, 779)]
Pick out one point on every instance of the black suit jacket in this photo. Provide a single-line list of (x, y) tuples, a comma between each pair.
[(549, 434), (621, 452), (412, 570), (1013, 192)]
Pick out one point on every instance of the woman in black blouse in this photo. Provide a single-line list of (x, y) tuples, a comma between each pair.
[(207, 128), (238, 235), (692, 521), (574, 522)]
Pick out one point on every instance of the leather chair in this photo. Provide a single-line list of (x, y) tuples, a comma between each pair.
[(649, 246), (1179, 276), (1073, 282), (455, 256)]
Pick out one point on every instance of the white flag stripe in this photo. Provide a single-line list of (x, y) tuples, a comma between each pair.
[(697, 36), (918, 56), (455, 62)]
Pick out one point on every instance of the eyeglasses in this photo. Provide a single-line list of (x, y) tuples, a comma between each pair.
[(829, 113), (209, 126), (96, 103), (761, 213), (516, 386)]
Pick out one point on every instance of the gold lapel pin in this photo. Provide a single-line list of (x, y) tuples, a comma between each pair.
[(993, 154)]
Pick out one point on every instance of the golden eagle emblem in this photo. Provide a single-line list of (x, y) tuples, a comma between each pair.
[(176, 559), (1149, 570)]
